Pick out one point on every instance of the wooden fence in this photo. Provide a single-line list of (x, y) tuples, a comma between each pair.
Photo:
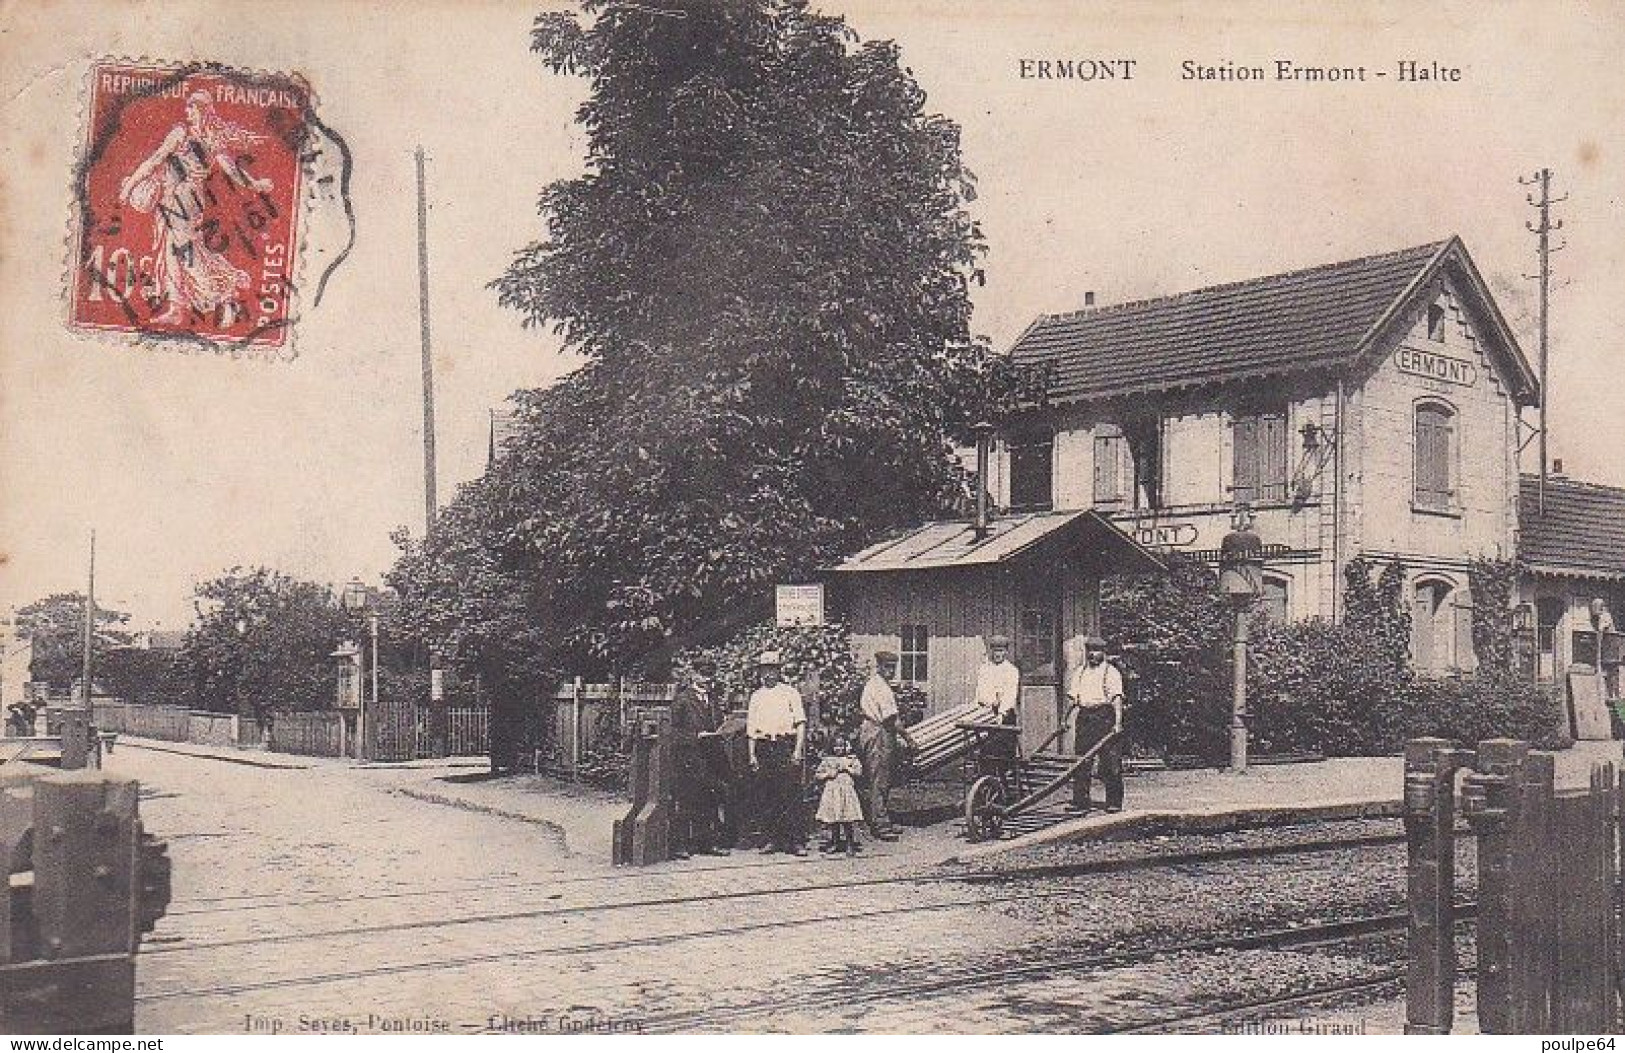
[(1551, 959), (317, 734), (580, 720)]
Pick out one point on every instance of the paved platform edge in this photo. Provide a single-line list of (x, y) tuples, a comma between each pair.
[(1128, 825), (430, 797), (251, 759)]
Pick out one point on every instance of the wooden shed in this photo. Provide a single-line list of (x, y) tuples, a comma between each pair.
[(936, 593)]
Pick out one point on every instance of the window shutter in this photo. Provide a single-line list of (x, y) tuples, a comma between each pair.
[(1272, 457), (1433, 488), (1244, 480), (1108, 464), (1422, 628)]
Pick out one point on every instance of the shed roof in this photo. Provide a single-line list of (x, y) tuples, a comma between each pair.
[(1319, 318), (1580, 534), (954, 543)]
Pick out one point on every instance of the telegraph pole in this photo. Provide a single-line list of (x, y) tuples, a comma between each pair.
[(429, 503), (90, 622), (1543, 233)]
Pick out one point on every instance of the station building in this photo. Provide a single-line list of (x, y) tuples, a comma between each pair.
[(1367, 408), (1363, 408)]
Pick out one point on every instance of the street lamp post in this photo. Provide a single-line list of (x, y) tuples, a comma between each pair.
[(1241, 567), (357, 599)]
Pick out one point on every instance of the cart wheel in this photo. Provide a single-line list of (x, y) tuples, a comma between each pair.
[(984, 809)]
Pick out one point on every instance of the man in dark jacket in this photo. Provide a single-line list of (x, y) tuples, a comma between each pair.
[(695, 715)]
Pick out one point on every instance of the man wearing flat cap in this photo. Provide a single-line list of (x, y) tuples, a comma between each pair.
[(776, 738), (1096, 690), (878, 732)]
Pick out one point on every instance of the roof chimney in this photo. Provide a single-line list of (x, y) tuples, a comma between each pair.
[(1089, 298), (984, 442), (1557, 466)]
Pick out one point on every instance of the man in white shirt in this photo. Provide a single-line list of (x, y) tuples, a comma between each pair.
[(1096, 690), (998, 683), (877, 743), (776, 740)]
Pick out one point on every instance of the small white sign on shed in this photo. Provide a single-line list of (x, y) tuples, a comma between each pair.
[(800, 605)]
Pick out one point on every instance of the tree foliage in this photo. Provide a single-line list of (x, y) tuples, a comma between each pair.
[(764, 268), (56, 627), (1494, 585), (145, 676), (262, 640), (1175, 630), (1374, 610), (1343, 689)]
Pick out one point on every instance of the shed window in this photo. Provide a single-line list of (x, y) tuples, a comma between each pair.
[(1259, 457), (1583, 646), (1435, 456), (911, 656), (1036, 644), (1032, 467)]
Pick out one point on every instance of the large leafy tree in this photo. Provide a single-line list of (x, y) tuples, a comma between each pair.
[(262, 640), (56, 626), (765, 269)]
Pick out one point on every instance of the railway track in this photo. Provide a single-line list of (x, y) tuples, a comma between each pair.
[(1300, 937), (1010, 876), (1013, 890), (237, 904)]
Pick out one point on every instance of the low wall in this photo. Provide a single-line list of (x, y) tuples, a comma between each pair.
[(211, 729)]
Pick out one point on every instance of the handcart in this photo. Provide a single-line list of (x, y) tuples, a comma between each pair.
[(1000, 775)]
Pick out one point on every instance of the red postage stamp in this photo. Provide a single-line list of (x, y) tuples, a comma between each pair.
[(188, 198)]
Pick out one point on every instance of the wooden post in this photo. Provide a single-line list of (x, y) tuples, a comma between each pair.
[(86, 887), (1617, 886), (76, 753), (1536, 905), (644, 835), (1602, 900), (16, 821), (1430, 817), (1491, 801), (575, 730)]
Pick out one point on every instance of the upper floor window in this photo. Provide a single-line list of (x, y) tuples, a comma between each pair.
[(1128, 464), (1259, 458), (1435, 459), (1436, 322), (1032, 471)]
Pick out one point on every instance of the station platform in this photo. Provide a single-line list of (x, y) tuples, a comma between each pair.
[(1215, 801)]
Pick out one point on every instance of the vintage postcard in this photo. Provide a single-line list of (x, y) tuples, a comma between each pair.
[(527, 517)]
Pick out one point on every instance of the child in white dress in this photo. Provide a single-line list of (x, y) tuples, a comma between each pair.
[(839, 807)]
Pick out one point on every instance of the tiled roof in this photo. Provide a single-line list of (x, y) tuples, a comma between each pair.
[(1581, 533), (1323, 316), (953, 543)]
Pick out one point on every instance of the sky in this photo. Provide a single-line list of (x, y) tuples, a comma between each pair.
[(187, 464)]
